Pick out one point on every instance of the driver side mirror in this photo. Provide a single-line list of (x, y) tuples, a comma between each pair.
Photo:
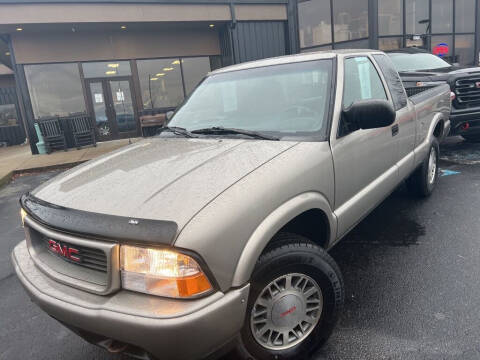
[(369, 114), (169, 115)]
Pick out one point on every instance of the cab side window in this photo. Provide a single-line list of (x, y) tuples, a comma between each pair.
[(394, 83), (362, 81)]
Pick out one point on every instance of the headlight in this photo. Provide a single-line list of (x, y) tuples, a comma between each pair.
[(162, 272), (23, 214)]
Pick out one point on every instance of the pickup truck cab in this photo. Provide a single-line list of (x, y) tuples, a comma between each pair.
[(215, 233)]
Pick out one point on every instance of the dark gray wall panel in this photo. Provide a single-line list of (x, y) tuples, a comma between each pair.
[(253, 40)]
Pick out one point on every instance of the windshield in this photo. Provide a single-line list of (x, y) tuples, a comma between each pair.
[(422, 61), (283, 100)]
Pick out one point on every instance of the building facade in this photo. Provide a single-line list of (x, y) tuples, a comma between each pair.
[(117, 60)]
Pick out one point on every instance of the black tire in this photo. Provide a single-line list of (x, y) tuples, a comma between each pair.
[(292, 253), (471, 138), (418, 183)]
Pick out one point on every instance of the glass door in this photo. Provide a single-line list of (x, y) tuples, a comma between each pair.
[(112, 107), (122, 106), (99, 106)]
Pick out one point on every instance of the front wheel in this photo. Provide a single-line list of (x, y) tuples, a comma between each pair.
[(296, 296), (423, 180)]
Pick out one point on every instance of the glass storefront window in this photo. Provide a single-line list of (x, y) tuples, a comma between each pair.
[(314, 22), (106, 69), (350, 19), (8, 115), (441, 45), (390, 43), (194, 70), (160, 83), (464, 16), (464, 49), (417, 16), (358, 44), (318, 48), (390, 17), (442, 16), (55, 89)]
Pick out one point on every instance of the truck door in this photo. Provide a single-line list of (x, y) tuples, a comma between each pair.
[(364, 160), (406, 118)]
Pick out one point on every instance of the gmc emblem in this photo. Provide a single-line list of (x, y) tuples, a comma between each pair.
[(477, 84), (64, 251)]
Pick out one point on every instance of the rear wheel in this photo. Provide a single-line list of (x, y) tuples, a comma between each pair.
[(296, 296), (472, 138), (423, 180)]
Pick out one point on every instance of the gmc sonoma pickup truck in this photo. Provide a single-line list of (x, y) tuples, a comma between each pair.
[(213, 235)]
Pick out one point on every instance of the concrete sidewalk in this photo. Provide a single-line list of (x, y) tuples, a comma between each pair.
[(19, 159)]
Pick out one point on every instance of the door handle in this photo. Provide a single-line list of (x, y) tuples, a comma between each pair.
[(395, 129)]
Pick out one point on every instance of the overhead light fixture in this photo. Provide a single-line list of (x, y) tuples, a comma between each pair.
[(113, 66), (123, 27), (168, 69), (160, 74), (19, 29), (154, 78), (176, 62), (7, 53), (211, 25), (110, 72)]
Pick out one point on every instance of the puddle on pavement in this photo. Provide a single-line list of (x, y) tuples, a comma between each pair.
[(459, 151), (390, 225)]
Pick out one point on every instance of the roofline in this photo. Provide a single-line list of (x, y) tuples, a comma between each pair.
[(185, 2)]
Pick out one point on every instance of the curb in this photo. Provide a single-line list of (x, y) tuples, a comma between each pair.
[(7, 178)]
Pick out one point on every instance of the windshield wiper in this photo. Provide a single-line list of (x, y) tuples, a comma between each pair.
[(220, 130), (177, 131)]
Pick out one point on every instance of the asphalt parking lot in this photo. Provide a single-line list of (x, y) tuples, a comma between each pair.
[(411, 270)]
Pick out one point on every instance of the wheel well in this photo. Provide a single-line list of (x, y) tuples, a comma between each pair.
[(438, 129), (312, 224)]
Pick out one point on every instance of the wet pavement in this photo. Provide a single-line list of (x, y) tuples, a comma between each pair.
[(411, 270)]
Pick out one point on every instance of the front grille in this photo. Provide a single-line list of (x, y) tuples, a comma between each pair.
[(84, 263), (467, 92), (90, 258), (416, 90)]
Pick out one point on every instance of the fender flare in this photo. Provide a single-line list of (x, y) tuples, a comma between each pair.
[(262, 235)]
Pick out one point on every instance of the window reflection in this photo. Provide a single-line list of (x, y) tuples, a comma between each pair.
[(106, 69), (55, 89), (160, 83), (417, 13), (442, 16), (8, 115), (390, 17), (391, 43), (194, 70), (464, 49), (350, 19), (314, 22), (464, 16)]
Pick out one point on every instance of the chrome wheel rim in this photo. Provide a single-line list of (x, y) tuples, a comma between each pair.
[(432, 166), (286, 311)]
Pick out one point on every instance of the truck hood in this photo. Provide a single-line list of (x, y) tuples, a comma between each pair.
[(159, 178)]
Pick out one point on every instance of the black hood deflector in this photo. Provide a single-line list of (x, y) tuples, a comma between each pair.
[(100, 226)]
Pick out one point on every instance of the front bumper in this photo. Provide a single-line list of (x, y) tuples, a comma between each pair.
[(459, 118), (165, 328)]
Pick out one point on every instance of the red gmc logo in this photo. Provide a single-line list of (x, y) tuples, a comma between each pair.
[(477, 84), (64, 251)]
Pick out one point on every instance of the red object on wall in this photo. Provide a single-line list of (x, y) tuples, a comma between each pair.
[(441, 49)]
